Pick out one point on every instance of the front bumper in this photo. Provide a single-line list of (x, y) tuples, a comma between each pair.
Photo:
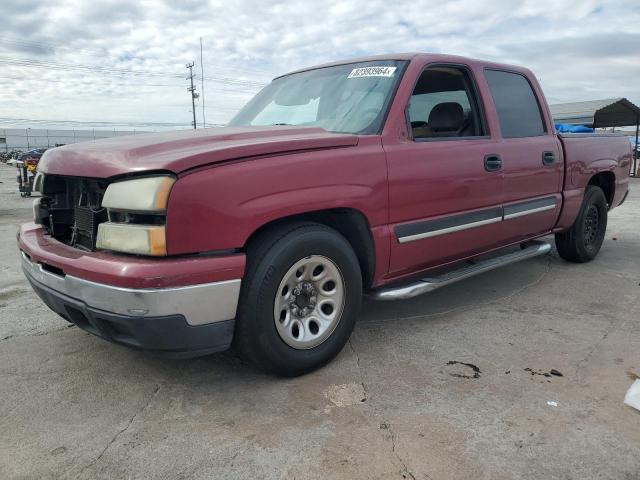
[(198, 304), (169, 335), (177, 320)]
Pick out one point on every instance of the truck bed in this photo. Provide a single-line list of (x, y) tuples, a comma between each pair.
[(587, 153)]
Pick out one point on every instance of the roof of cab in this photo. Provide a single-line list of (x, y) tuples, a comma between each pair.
[(436, 57)]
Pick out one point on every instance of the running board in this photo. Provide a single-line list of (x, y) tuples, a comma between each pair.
[(424, 285)]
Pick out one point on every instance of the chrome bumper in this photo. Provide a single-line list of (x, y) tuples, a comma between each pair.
[(199, 304)]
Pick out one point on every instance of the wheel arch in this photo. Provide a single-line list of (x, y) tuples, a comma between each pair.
[(606, 181), (349, 222)]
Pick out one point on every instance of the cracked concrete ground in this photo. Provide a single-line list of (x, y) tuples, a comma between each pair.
[(390, 406)]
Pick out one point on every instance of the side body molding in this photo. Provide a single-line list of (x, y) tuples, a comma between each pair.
[(413, 231)]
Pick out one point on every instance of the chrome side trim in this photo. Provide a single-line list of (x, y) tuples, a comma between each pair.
[(532, 249), (528, 212), (418, 230), (443, 231), (200, 304)]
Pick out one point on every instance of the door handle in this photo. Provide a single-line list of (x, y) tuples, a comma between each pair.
[(548, 158), (492, 163)]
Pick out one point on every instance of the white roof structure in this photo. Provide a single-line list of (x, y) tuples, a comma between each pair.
[(610, 112)]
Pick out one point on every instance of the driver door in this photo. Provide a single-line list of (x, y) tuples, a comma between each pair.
[(445, 182)]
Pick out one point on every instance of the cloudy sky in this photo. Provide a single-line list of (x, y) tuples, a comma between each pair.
[(123, 61)]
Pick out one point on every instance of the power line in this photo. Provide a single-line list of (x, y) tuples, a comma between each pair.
[(51, 47), (119, 71), (226, 88)]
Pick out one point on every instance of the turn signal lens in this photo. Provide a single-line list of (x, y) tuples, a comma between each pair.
[(131, 238)]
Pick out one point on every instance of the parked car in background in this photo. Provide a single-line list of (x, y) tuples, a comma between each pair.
[(11, 157), (384, 175), (27, 163), (34, 154)]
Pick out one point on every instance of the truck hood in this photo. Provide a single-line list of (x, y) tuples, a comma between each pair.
[(182, 150)]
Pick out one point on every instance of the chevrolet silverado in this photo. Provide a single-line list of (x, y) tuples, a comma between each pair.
[(388, 176)]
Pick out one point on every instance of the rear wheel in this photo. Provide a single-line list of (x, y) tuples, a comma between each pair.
[(582, 242), (301, 294)]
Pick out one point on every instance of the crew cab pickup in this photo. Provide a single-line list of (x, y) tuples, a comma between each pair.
[(389, 176)]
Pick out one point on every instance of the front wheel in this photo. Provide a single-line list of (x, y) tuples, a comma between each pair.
[(582, 242), (300, 297)]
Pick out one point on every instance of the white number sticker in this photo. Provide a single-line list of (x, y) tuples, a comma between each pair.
[(372, 72)]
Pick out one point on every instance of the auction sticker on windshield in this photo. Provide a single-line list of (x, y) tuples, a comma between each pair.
[(372, 72)]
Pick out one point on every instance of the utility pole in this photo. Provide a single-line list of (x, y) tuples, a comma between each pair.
[(194, 94)]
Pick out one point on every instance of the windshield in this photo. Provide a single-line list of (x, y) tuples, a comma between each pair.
[(350, 98)]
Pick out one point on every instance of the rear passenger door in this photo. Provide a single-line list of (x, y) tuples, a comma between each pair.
[(532, 162)]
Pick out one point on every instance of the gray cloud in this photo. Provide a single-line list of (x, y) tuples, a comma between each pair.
[(579, 50)]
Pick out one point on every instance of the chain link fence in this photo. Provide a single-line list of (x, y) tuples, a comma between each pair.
[(12, 139)]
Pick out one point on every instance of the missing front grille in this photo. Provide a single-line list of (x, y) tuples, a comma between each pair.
[(72, 210)]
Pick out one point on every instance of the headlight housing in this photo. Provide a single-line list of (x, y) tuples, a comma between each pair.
[(148, 194), (137, 216)]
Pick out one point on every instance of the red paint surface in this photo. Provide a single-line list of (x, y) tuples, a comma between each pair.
[(233, 181)]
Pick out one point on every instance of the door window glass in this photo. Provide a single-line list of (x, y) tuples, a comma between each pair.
[(443, 105), (516, 104)]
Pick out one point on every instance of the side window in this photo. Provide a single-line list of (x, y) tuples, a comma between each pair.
[(516, 104), (443, 104)]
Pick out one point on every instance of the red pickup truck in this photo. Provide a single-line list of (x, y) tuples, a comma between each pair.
[(390, 175)]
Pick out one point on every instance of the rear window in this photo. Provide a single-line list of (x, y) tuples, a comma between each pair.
[(516, 104)]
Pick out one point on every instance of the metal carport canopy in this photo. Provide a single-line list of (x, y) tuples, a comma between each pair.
[(611, 112)]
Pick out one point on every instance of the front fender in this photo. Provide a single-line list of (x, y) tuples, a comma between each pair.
[(220, 207)]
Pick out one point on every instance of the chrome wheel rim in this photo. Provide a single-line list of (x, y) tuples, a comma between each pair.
[(309, 302)]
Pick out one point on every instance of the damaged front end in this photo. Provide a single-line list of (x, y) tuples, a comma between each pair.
[(70, 208)]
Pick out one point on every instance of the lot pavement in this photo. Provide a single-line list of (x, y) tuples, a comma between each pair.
[(398, 402)]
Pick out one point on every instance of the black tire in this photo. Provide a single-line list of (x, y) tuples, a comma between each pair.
[(582, 242), (269, 258)]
